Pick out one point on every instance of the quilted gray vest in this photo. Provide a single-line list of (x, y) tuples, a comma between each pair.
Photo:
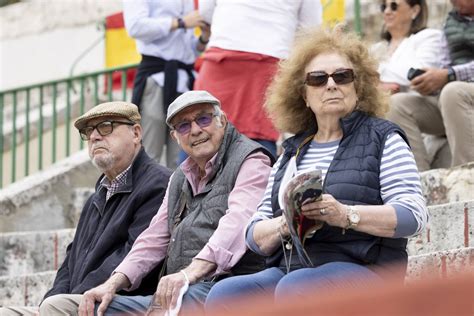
[(193, 219)]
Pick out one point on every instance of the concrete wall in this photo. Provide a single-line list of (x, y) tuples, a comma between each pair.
[(45, 200), (39, 40)]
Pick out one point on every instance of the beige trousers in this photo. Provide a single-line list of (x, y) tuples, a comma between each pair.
[(450, 114), (60, 305)]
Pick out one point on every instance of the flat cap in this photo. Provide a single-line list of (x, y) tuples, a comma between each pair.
[(126, 110), (187, 99)]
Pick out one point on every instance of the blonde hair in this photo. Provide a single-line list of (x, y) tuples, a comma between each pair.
[(285, 104)]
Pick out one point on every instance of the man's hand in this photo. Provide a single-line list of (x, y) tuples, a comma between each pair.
[(431, 81), (168, 290), (103, 293), (193, 19)]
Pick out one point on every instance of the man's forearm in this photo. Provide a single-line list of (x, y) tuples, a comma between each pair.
[(198, 269), (118, 281)]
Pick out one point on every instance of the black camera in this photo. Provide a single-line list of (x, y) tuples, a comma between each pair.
[(412, 73)]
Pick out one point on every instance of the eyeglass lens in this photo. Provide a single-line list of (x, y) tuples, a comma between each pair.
[(103, 128), (202, 120), (393, 6), (320, 78)]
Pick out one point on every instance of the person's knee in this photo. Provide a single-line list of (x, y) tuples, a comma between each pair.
[(398, 105), (52, 304), (451, 96)]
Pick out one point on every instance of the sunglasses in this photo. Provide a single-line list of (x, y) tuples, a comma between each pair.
[(103, 128), (393, 6), (320, 78), (202, 120)]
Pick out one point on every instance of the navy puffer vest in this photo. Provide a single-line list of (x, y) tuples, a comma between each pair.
[(352, 178)]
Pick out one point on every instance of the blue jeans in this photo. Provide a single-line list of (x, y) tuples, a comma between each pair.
[(137, 305), (274, 281)]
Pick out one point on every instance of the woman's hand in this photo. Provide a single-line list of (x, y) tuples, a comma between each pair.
[(328, 210)]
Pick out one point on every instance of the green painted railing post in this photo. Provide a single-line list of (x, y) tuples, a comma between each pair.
[(357, 19), (96, 90), (27, 134), (124, 85), (40, 129), (54, 123), (13, 143), (82, 107), (67, 121), (109, 85), (2, 102)]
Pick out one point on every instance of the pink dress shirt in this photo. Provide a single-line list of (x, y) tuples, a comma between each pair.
[(227, 245)]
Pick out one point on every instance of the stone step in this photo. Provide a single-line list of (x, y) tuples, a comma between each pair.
[(440, 264), (448, 185), (48, 194), (25, 290), (30, 252), (29, 289), (451, 227)]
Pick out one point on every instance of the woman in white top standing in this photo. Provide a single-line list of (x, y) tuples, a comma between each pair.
[(407, 43)]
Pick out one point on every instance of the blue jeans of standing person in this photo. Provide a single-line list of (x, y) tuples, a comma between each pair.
[(193, 300), (334, 275)]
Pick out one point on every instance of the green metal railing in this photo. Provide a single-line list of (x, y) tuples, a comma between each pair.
[(55, 97)]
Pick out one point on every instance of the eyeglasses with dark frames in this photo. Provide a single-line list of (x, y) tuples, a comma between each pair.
[(393, 6), (103, 128), (320, 78), (202, 120)]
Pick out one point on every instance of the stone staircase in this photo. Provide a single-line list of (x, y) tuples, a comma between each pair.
[(31, 254)]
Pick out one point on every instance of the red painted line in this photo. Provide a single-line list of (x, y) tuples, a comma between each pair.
[(466, 226), (55, 241), (444, 272)]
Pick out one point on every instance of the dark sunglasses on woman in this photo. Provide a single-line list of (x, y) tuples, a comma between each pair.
[(393, 6), (202, 120), (320, 78)]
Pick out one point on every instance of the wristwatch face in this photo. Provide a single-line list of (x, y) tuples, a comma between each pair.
[(354, 218)]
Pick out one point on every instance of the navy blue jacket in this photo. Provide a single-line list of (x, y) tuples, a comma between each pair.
[(352, 178), (107, 230)]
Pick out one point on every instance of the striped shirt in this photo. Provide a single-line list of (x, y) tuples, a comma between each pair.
[(399, 181)]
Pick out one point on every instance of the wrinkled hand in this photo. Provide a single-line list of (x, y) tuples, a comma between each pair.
[(328, 210), (168, 290), (102, 293), (193, 19), (431, 81)]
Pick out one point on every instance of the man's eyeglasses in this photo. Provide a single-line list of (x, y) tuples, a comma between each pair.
[(320, 78), (202, 120), (393, 6), (103, 128)]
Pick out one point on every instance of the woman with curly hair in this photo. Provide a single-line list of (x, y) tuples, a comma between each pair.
[(326, 94)]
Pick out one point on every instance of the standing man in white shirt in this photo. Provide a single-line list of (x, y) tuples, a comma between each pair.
[(164, 35)]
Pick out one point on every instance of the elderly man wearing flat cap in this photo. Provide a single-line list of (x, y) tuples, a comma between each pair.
[(197, 235), (127, 196)]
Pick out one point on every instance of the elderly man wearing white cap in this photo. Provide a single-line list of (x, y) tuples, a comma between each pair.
[(127, 196), (198, 234)]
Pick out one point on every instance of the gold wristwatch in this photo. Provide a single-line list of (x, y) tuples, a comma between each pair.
[(353, 217)]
